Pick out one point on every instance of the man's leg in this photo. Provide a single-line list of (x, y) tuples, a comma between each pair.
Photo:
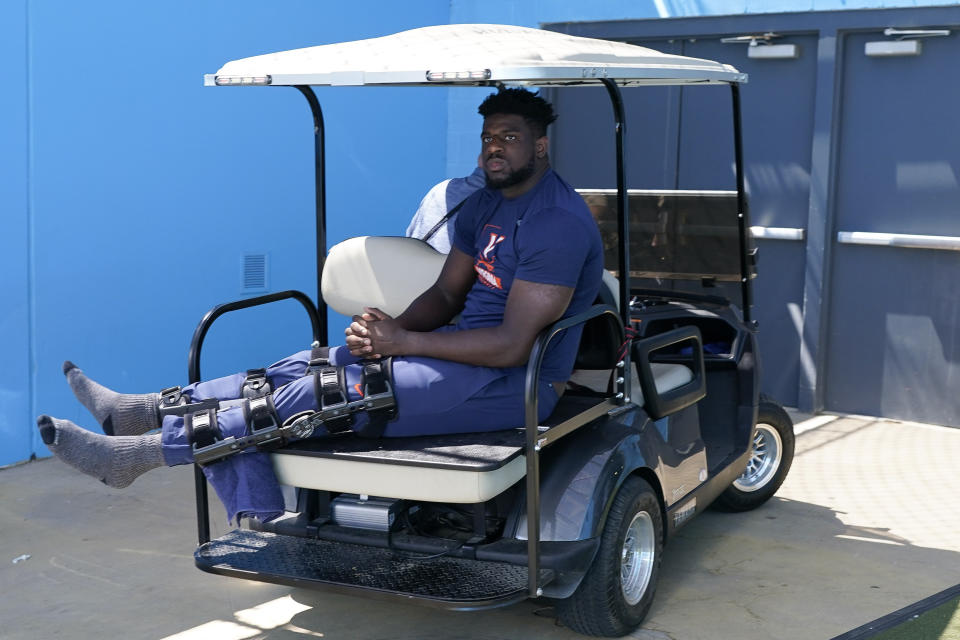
[(116, 462), (436, 397), (135, 414), (244, 482), (110, 460), (433, 396), (118, 413)]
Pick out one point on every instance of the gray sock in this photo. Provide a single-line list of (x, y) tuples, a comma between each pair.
[(116, 461), (119, 414)]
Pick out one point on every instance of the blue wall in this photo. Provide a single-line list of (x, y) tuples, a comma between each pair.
[(15, 335), (130, 192)]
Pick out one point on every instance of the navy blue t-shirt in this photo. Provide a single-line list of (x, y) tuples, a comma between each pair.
[(546, 235)]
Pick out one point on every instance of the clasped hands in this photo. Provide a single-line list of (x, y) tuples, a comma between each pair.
[(374, 334)]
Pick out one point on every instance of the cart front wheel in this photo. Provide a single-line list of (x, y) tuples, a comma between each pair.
[(617, 591)]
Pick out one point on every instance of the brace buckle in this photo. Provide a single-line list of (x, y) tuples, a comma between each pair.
[(256, 384), (171, 397)]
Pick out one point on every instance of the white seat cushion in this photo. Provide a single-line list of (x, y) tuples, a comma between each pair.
[(378, 271)]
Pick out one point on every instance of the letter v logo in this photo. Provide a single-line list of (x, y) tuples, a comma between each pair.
[(494, 241)]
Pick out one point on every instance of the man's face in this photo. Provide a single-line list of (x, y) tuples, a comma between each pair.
[(509, 150)]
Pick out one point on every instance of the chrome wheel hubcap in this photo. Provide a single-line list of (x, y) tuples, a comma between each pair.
[(637, 558), (764, 459)]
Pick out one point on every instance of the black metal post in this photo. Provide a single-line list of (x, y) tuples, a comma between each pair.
[(743, 218), (321, 199), (623, 225), (532, 424)]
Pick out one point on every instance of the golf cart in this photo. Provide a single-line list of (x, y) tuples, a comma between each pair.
[(665, 417)]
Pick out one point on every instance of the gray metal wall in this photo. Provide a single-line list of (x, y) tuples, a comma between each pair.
[(835, 142)]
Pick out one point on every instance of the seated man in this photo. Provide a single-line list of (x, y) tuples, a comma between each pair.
[(526, 253)]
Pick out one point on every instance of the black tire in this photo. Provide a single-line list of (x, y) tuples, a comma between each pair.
[(617, 592), (772, 455)]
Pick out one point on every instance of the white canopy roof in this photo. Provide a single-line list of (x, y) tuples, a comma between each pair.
[(472, 54)]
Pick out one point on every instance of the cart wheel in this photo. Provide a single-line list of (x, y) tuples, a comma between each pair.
[(617, 591), (770, 460)]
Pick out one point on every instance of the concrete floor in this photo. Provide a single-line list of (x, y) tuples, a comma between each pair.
[(866, 523)]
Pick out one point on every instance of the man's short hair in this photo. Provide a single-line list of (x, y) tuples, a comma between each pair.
[(537, 112)]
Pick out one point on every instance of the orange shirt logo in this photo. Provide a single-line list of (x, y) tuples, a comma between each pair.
[(484, 264)]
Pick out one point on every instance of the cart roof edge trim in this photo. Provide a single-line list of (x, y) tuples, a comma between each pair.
[(472, 55)]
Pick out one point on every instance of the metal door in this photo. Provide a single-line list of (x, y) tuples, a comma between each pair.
[(893, 347)]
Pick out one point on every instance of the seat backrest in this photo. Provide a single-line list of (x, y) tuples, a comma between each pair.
[(389, 272), (602, 336)]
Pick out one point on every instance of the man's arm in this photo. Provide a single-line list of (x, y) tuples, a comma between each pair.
[(437, 305), (530, 308)]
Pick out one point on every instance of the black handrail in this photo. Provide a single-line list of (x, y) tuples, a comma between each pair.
[(532, 426), (193, 375), (193, 366)]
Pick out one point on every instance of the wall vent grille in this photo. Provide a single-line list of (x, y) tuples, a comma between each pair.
[(254, 272)]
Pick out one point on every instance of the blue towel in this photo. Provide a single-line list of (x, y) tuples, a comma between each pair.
[(247, 486)]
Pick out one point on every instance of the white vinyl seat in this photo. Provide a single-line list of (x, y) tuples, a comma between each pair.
[(387, 272)]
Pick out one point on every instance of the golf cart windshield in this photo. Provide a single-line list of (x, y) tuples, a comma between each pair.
[(679, 239)]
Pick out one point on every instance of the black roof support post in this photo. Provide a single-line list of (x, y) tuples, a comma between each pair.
[(623, 230), (319, 169), (743, 216)]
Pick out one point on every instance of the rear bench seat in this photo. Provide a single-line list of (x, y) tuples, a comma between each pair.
[(464, 468)]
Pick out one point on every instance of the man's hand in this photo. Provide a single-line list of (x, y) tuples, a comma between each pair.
[(375, 334)]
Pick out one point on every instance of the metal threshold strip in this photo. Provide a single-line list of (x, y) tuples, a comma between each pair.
[(944, 243), (443, 582)]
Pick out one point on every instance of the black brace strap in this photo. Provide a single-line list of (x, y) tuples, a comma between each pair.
[(329, 389), (376, 380), (263, 428), (202, 429), (319, 359), (174, 403), (256, 384), (260, 413)]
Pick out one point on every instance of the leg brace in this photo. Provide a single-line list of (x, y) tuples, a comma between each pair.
[(330, 390), (174, 403), (264, 428)]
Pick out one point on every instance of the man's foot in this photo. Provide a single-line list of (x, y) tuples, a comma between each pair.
[(119, 414), (116, 462)]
